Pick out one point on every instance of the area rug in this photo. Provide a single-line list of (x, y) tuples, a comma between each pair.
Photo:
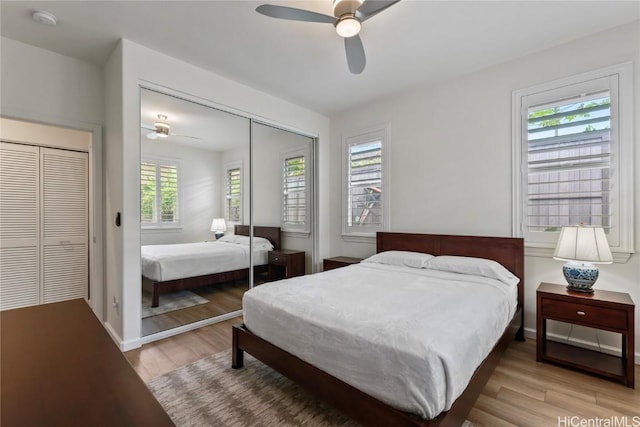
[(170, 302), (210, 393)]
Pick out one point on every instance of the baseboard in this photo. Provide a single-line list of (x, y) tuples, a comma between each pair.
[(123, 345), (186, 328), (531, 333)]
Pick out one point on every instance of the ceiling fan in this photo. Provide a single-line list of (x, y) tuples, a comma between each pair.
[(162, 129), (348, 18)]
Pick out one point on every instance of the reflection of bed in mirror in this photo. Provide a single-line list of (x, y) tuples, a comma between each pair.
[(397, 341), (171, 268)]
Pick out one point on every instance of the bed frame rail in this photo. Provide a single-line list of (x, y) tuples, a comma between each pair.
[(355, 403)]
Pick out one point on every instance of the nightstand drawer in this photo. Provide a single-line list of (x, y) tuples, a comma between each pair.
[(285, 263), (276, 258), (598, 317)]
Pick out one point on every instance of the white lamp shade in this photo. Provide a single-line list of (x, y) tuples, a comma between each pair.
[(583, 243), (218, 224)]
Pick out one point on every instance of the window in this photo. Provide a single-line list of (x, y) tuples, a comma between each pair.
[(159, 193), (295, 195), (365, 210), (233, 193), (294, 190), (571, 140)]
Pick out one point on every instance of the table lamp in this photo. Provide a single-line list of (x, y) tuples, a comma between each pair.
[(582, 246), (218, 226)]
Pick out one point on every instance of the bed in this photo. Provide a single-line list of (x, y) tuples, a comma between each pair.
[(171, 268), (356, 366)]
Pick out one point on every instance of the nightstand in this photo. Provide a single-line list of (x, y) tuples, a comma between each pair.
[(338, 261), (605, 310), (285, 263)]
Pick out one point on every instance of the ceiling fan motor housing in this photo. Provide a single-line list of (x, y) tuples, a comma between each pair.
[(342, 7)]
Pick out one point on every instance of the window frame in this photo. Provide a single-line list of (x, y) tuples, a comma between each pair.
[(302, 229), (228, 167), (159, 162), (377, 133), (618, 80)]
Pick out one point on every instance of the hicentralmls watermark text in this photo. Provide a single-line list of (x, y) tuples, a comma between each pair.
[(576, 421)]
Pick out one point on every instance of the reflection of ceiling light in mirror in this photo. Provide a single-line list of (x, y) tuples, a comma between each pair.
[(162, 128), (44, 17)]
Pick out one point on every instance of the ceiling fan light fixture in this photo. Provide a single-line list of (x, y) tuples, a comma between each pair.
[(348, 26), (162, 128)]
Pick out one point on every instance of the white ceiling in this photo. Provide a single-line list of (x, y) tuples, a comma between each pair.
[(412, 44)]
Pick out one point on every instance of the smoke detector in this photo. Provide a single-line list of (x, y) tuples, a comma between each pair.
[(44, 17)]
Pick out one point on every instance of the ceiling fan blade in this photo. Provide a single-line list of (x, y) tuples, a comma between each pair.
[(152, 135), (283, 12), (147, 127), (185, 136), (355, 54), (371, 8)]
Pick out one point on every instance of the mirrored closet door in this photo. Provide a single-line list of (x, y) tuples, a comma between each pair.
[(194, 192), (283, 194)]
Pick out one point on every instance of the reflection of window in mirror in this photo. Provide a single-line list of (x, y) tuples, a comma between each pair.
[(233, 193), (159, 193), (295, 200)]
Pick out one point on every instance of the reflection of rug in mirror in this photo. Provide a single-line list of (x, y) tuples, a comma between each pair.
[(170, 302)]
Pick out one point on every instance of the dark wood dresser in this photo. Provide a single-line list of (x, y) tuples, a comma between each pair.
[(60, 367)]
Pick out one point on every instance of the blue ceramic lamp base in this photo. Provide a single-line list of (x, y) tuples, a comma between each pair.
[(580, 276)]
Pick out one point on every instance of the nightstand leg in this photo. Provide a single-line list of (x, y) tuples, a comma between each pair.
[(541, 339)]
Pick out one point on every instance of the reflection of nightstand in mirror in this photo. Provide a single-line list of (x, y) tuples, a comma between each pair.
[(338, 261), (285, 263)]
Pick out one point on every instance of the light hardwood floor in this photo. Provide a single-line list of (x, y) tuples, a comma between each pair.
[(521, 391), (221, 299)]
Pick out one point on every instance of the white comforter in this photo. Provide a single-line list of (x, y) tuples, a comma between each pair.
[(409, 337), (170, 262)]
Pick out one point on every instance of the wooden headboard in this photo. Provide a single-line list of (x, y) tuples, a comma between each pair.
[(270, 233), (508, 251)]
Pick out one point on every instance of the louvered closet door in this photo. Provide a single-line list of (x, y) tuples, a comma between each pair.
[(65, 252), (19, 226)]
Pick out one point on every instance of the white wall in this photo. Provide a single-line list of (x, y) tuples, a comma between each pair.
[(55, 87), (450, 154), (41, 86), (130, 66), (200, 187)]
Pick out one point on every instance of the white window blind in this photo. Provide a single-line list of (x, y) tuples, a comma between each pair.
[(573, 158), (233, 194), (159, 193), (294, 209), (569, 163), (364, 176)]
